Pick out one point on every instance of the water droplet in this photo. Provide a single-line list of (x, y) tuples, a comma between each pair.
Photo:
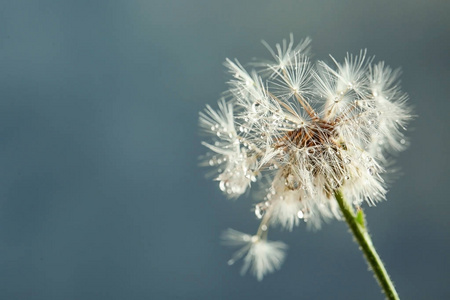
[(211, 162), (255, 238), (264, 227), (259, 211), (222, 186), (231, 262), (300, 214), (402, 141)]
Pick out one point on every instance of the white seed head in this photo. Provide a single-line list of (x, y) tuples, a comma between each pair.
[(308, 130)]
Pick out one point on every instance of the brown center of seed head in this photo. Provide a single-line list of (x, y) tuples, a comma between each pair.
[(316, 135), (319, 140)]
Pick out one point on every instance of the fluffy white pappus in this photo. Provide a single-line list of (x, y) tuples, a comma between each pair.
[(284, 53), (261, 256), (294, 79), (392, 109), (286, 208), (235, 167)]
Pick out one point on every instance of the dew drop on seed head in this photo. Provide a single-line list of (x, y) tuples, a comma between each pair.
[(402, 141), (259, 211), (231, 262), (222, 186), (264, 227), (300, 214)]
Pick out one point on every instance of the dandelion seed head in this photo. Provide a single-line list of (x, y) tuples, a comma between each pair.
[(308, 130)]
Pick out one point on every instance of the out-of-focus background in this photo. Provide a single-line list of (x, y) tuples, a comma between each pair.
[(101, 196)]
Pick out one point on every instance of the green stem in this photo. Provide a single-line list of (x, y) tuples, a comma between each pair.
[(356, 224)]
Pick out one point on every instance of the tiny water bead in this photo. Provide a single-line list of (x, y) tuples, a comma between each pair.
[(260, 209)]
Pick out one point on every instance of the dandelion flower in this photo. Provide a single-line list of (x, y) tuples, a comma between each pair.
[(308, 130)]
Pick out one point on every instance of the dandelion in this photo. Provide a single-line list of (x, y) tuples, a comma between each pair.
[(315, 138)]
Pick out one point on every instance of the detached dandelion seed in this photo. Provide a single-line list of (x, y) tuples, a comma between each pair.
[(319, 135)]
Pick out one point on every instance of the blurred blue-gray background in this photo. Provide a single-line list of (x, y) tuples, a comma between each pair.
[(101, 196)]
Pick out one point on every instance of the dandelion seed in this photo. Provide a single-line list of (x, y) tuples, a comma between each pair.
[(260, 256)]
